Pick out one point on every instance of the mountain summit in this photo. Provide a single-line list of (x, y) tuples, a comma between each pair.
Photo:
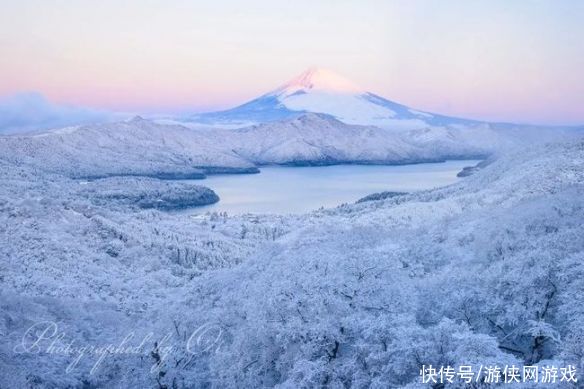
[(318, 79), (318, 90)]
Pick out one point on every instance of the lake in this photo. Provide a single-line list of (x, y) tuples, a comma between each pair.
[(279, 189)]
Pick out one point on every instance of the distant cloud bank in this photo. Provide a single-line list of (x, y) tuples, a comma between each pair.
[(31, 111)]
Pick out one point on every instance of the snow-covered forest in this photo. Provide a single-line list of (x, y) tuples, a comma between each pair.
[(308, 194), (101, 287)]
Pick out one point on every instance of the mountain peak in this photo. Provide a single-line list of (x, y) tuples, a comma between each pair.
[(318, 79), (137, 119)]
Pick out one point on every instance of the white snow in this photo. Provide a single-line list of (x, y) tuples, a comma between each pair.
[(349, 108), (318, 79)]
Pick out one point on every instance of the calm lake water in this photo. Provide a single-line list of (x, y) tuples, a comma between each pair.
[(301, 189)]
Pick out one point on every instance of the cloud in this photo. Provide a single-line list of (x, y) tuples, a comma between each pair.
[(31, 111)]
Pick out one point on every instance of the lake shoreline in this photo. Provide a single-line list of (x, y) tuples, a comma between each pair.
[(285, 189)]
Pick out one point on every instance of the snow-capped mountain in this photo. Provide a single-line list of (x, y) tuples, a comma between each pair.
[(323, 91)]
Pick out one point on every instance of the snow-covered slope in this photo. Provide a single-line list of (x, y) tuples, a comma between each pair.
[(136, 147), (322, 139), (142, 147)]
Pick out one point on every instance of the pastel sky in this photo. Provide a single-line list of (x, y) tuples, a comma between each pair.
[(507, 60)]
